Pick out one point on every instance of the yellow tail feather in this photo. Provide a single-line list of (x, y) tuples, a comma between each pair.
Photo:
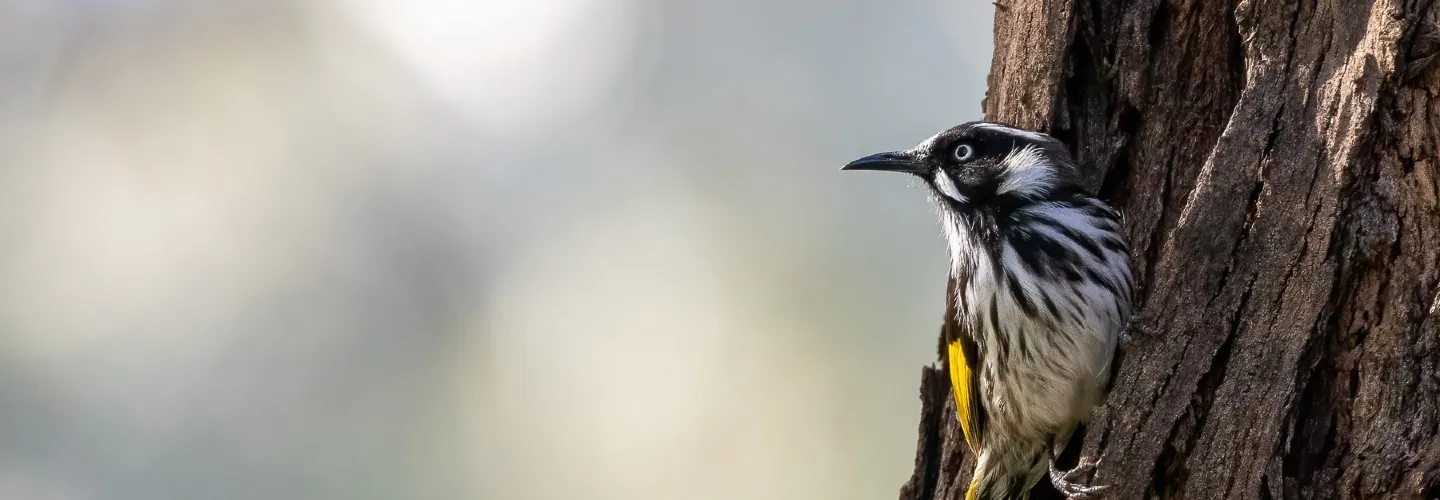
[(960, 380)]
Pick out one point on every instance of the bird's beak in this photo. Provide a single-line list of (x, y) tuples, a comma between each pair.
[(895, 161)]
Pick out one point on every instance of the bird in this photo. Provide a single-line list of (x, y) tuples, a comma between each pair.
[(1039, 293)]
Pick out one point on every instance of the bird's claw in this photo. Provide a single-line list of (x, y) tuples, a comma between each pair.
[(1065, 481), (1084, 466), (1078, 492)]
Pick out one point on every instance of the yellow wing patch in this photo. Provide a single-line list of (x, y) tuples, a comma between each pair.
[(960, 380)]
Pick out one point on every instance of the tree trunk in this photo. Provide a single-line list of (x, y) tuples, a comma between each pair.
[(1276, 165)]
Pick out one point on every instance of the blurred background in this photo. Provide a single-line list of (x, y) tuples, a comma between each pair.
[(458, 249)]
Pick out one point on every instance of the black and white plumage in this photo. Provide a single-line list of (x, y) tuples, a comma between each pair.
[(1040, 290)]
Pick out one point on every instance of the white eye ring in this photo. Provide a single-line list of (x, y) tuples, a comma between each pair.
[(964, 152)]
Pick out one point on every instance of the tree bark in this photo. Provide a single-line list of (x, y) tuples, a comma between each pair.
[(1276, 165)]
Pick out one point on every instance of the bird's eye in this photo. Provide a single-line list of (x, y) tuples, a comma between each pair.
[(964, 152)]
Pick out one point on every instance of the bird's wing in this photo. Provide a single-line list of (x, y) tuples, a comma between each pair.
[(963, 359)]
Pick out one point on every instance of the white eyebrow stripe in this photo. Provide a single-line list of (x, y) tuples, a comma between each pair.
[(947, 187), (1014, 131)]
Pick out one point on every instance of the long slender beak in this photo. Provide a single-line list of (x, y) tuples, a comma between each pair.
[(894, 161)]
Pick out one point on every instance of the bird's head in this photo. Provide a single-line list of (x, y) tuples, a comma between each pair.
[(982, 165)]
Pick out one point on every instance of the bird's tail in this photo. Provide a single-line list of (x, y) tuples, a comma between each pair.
[(1007, 471)]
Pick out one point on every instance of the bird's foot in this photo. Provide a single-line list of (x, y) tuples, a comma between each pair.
[(1064, 481)]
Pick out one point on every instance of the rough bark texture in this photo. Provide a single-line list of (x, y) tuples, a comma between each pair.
[(1276, 163)]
